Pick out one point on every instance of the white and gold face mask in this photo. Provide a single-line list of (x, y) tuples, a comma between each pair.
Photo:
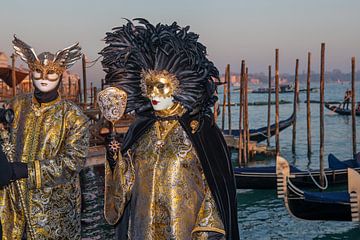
[(159, 87), (46, 73), (46, 68)]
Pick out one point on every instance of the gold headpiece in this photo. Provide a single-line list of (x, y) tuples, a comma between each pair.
[(47, 63)]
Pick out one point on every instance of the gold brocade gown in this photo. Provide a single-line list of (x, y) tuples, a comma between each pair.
[(170, 198), (53, 140)]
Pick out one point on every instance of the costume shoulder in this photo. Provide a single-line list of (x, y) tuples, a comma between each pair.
[(73, 110), (136, 130), (20, 99)]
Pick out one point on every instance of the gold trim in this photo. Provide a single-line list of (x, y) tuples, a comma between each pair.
[(37, 174), (208, 229), (194, 124)]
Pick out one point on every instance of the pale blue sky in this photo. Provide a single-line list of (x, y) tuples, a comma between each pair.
[(232, 30)]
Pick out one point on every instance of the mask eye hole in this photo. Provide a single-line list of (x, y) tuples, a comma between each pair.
[(160, 86), (36, 75), (52, 76), (51, 72), (38, 70)]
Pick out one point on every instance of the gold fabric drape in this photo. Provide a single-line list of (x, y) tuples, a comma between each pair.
[(52, 138)]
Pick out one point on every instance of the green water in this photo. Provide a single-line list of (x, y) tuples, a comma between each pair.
[(261, 215)]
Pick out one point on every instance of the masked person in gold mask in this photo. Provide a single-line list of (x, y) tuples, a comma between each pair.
[(50, 138), (172, 178)]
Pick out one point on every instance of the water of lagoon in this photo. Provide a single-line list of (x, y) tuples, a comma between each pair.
[(261, 215)]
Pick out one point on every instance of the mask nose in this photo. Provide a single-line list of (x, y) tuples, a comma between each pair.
[(155, 92)]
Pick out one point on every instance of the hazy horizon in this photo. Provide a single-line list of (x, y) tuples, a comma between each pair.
[(232, 30)]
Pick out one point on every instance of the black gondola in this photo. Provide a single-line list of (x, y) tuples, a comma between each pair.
[(340, 111), (265, 177), (260, 134), (335, 206)]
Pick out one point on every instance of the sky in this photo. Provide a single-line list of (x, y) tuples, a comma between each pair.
[(232, 30)]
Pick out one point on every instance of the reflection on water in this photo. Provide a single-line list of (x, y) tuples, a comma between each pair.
[(261, 214)]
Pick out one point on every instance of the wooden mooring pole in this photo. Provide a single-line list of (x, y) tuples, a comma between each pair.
[(269, 110), (308, 111), (246, 118), (322, 83), (353, 105), (91, 93), (79, 91), (84, 80), (277, 102), (95, 94), (242, 79), (296, 91), (69, 87), (247, 114), (227, 76), (223, 106), (13, 74)]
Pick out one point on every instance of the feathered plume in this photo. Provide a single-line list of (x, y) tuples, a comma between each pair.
[(68, 56), (134, 48), (26, 53)]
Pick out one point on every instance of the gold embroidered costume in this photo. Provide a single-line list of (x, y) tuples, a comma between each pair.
[(169, 195), (53, 140)]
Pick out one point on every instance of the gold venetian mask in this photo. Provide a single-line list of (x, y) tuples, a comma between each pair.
[(46, 70), (158, 84), (47, 66)]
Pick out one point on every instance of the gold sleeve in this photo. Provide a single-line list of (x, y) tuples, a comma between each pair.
[(70, 159), (208, 221), (118, 185)]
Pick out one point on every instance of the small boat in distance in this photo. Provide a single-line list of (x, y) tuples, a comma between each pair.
[(260, 134), (285, 88), (340, 110)]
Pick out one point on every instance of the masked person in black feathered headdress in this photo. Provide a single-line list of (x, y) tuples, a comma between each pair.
[(174, 179)]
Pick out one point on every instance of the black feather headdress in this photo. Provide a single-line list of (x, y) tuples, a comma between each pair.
[(132, 49)]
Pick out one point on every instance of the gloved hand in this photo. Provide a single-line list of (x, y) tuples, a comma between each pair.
[(11, 171), (112, 145)]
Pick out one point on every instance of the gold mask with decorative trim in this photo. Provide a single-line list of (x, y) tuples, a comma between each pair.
[(47, 66), (158, 83), (46, 70)]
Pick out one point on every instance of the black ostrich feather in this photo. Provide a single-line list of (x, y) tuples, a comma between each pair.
[(133, 48)]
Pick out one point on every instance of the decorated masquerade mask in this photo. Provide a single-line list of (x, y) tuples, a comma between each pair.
[(159, 87), (46, 68)]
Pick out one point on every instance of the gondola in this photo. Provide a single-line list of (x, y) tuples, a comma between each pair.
[(265, 177), (331, 206), (260, 134), (339, 110)]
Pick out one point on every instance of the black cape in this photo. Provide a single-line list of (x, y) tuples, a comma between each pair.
[(216, 162)]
